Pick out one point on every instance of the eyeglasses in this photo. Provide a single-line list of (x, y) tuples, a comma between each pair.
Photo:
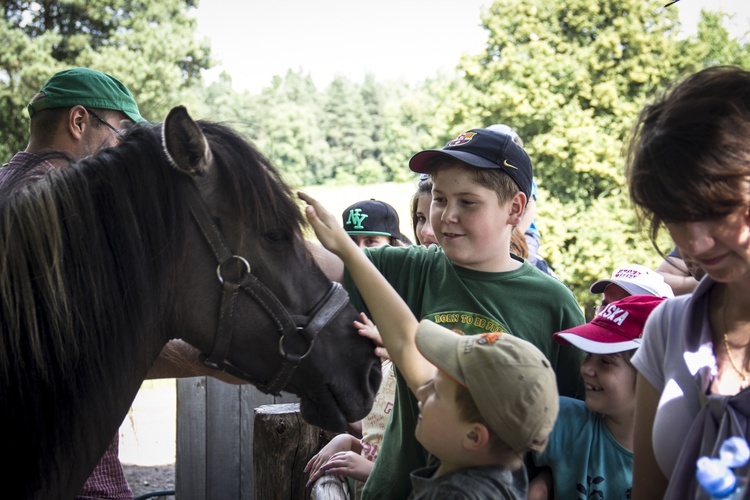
[(118, 133)]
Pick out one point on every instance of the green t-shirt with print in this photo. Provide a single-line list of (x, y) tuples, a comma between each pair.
[(524, 302)]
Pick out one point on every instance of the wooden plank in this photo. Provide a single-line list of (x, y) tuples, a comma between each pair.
[(222, 439), (190, 463), (215, 424)]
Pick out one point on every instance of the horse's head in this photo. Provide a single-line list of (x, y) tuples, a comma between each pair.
[(257, 304)]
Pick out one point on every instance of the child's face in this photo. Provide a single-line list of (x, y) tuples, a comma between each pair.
[(612, 293), (440, 429), (468, 220), (370, 240), (424, 228), (610, 385)]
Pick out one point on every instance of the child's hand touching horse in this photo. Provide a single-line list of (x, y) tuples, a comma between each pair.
[(396, 322), (327, 228), (367, 328)]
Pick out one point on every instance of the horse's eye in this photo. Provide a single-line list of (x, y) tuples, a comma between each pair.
[(278, 236)]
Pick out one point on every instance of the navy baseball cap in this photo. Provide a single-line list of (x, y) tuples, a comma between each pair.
[(483, 148)]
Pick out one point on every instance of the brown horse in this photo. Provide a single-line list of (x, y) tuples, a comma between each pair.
[(181, 231)]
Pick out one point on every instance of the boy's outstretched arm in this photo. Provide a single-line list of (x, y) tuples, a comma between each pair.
[(396, 323)]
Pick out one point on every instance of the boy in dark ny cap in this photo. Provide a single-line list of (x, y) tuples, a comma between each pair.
[(470, 283), (484, 401), (373, 223)]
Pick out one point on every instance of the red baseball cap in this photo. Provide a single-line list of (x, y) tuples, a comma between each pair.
[(617, 328)]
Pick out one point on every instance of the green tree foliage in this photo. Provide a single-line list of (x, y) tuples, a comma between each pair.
[(571, 76), (586, 242), (286, 126), (148, 44), (714, 45), (347, 128), (346, 133)]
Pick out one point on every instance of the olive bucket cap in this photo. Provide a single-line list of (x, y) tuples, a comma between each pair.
[(88, 88), (510, 380)]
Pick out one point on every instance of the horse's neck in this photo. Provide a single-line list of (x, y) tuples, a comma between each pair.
[(95, 421)]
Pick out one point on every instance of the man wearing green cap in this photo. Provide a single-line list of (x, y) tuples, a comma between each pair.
[(88, 88), (78, 111)]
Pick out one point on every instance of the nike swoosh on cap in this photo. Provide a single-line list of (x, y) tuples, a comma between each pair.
[(505, 162)]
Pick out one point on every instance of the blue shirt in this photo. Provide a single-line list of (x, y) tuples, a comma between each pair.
[(586, 460)]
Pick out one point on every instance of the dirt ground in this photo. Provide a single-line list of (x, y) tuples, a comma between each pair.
[(147, 439), (146, 479)]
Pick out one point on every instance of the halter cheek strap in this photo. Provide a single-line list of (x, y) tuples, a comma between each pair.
[(235, 274)]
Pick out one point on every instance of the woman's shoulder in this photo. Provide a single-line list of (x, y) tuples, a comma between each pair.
[(675, 310)]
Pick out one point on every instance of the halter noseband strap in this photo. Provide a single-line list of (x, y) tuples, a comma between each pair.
[(235, 274)]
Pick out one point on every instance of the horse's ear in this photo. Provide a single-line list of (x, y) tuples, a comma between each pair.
[(185, 143)]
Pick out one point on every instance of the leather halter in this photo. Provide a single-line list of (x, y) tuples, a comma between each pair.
[(241, 278)]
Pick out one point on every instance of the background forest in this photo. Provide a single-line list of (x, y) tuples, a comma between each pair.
[(570, 76)]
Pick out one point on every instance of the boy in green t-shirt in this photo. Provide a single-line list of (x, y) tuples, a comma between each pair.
[(471, 284), (477, 429)]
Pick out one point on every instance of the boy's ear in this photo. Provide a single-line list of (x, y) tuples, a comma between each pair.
[(477, 437), (517, 207)]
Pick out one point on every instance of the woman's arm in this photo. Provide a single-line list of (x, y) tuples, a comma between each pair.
[(677, 275), (648, 480), (396, 323)]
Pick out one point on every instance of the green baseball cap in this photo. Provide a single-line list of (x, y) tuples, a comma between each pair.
[(88, 88)]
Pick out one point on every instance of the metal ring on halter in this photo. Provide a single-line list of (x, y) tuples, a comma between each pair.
[(241, 259), (295, 358)]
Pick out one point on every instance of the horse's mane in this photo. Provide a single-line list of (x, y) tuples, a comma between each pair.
[(261, 196), (83, 251)]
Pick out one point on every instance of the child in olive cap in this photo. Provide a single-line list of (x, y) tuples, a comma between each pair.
[(484, 400)]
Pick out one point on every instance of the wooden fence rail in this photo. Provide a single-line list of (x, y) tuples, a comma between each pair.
[(214, 455)]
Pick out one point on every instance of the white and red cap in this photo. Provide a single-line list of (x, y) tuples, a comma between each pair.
[(617, 328), (636, 280)]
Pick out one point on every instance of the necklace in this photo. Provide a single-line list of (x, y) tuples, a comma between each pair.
[(742, 373)]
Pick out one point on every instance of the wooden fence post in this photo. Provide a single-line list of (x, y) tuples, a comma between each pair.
[(282, 444)]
